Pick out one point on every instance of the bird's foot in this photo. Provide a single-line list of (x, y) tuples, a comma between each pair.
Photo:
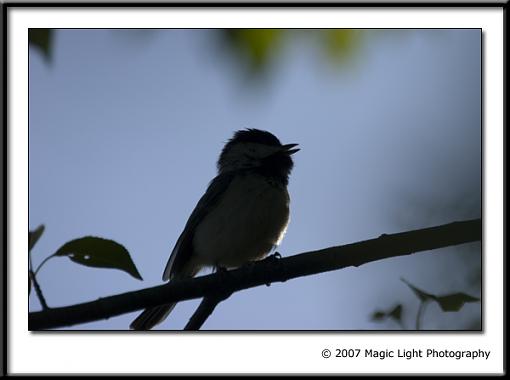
[(219, 269), (273, 258), (274, 265)]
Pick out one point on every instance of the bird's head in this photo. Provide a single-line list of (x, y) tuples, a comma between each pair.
[(261, 151)]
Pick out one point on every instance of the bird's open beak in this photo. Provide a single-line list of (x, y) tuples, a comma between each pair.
[(288, 148)]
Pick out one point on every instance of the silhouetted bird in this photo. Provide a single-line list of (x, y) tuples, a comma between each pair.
[(243, 214)]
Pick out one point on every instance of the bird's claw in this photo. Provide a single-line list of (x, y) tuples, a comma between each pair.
[(220, 269), (273, 258), (274, 265)]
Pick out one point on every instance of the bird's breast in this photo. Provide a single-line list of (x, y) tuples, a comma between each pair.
[(248, 220)]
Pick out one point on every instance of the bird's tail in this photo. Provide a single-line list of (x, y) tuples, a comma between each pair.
[(151, 317), (155, 315)]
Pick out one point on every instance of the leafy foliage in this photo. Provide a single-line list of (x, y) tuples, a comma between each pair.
[(41, 39), (341, 44), (33, 236), (256, 49), (394, 314), (454, 302), (100, 253), (448, 303), (89, 251)]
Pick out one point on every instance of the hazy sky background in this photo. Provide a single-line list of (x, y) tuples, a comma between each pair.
[(126, 126)]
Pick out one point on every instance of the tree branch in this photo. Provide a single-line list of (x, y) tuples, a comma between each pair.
[(210, 302), (263, 272), (203, 312)]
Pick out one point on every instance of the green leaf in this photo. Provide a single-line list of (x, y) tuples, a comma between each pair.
[(423, 296), (33, 236), (341, 44), (42, 39), (454, 302), (99, 253), (449, 302), (396, 313), (255, 48), (378, 315)]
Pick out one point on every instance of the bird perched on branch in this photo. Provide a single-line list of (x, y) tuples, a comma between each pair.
[(242, 215)]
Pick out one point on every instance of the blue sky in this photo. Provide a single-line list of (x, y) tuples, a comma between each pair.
[(125, 128)]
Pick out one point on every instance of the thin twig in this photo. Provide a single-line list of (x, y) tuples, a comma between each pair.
[(203, 312), (38, 291), (210, 302), (32, 275), (419, 315), (42, 263)]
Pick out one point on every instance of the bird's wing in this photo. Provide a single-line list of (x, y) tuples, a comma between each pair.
[(183, 248)]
